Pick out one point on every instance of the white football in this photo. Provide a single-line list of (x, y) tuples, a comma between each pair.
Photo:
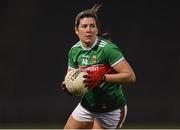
[(74, 82)]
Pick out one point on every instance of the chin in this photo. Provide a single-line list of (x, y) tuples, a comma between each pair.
[(88, 41)]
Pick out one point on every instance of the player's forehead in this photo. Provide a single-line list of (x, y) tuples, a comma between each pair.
[(87, 20)]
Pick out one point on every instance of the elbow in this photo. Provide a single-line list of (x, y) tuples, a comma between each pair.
[(132, 78)]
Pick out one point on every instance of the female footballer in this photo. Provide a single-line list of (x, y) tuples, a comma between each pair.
[(104, 105)]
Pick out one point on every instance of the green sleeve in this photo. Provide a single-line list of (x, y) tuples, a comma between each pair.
[(71, 59), (113, 54)]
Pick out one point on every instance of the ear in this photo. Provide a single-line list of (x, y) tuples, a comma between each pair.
[(97, 31), (76, 30)]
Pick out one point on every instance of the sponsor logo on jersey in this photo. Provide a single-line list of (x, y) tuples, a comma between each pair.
[(98, 67)]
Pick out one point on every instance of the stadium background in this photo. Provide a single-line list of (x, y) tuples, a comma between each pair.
[(35, 36)]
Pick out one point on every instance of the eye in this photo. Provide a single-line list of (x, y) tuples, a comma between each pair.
[(83, 26), (93, 25)]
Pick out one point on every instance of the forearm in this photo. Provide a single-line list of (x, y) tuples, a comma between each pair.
[(124, 77)]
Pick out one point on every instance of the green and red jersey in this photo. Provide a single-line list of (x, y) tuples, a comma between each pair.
[(103, 53)]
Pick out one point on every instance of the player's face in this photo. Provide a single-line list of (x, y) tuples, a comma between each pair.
[(87, 31)]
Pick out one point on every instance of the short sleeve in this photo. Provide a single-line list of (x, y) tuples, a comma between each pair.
[(71, 60), (113, 54)]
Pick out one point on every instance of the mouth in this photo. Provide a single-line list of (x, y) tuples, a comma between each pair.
[(88, 36)]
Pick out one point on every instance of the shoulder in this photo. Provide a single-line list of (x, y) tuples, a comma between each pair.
[(75, 47), (106, 44)]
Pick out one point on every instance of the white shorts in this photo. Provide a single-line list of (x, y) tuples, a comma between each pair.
[(110, 120)]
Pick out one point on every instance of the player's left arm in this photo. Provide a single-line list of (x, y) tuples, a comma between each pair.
[(125, 73)]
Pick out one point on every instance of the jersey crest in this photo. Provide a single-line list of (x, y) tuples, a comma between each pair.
[(94, 59)]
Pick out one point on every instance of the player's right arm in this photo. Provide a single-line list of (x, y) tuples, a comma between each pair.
[(63, 85), (71, 64)]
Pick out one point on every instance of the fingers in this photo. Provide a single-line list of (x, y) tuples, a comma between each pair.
[(87, 76), (90, 72), (63, 86), (87, 85), (90, 85), (88, 81)]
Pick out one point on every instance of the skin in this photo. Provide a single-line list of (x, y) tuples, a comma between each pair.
[(87, 32)]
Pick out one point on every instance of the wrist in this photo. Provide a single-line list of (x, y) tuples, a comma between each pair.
[(103, 78)]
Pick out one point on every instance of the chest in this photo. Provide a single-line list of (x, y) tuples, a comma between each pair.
[(91, 57)]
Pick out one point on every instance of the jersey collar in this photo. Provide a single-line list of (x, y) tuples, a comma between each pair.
[(89, 48)]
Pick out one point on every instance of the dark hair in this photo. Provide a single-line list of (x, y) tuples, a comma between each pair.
[(92, 13), (89, 13)]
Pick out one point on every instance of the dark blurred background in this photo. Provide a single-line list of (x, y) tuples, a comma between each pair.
[(36, 35)]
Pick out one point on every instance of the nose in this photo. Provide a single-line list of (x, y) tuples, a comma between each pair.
[(88, 29)]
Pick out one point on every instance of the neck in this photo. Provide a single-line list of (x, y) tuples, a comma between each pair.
[(88, 45)]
